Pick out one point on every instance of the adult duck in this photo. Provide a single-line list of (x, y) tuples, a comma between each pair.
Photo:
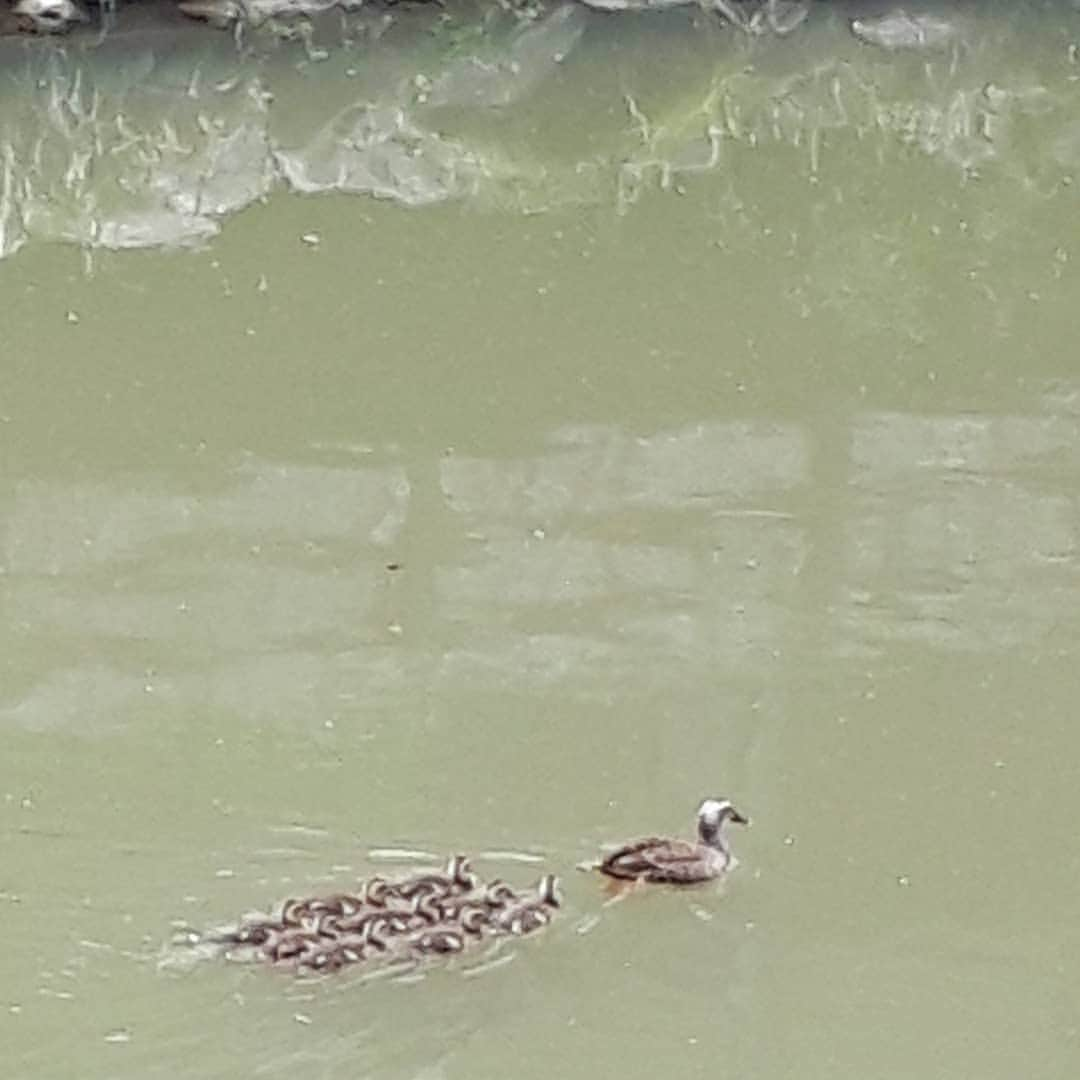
[(680, 862)]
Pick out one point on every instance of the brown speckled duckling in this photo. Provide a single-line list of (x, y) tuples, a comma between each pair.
[(531, 913)]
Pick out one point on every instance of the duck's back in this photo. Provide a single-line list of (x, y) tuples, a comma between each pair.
[(654, 858)]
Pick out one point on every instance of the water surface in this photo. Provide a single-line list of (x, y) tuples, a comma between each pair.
[(726, 441)]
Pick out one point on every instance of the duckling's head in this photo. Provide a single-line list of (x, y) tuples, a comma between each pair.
[(461, 873), (712, 815)]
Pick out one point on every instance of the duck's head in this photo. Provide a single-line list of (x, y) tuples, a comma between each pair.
[(712, 815)]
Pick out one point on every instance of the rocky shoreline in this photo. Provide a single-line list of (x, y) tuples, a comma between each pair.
[(144, 128), (895, 28)]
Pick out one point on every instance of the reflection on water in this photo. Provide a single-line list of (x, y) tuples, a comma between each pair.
[(962, 535), (689, 544)]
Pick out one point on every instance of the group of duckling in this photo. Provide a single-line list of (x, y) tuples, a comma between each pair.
[(426, 914), (438, 913)]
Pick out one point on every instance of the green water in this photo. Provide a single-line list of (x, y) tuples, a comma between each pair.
[(756, 477)]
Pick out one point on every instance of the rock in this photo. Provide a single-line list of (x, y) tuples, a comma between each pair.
[(901, 30), (219, 13), (637, 5), (779, 16), (226, 13), (44, 16), (783, 16)]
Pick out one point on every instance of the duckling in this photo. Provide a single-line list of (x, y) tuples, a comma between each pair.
[(327, 924), (350, 953), (498, 894), (327, 959), (355, 923), (258, 929), (474, 920), (532, 913), (547, 891), (340, 951), (455, 909), (425, 910), (458, 878), (291, 945), (376, 891), (313, 913), (440, 941), (341, 905), (295, 911), (249, 933), (680, 862), (429, 885), (461, 873)]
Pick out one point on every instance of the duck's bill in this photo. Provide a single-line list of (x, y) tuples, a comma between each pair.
[(738, 818)]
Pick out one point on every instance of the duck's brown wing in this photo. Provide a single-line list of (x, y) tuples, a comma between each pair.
[(656, 859)]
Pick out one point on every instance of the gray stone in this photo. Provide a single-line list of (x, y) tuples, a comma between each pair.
[(901, 30)]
